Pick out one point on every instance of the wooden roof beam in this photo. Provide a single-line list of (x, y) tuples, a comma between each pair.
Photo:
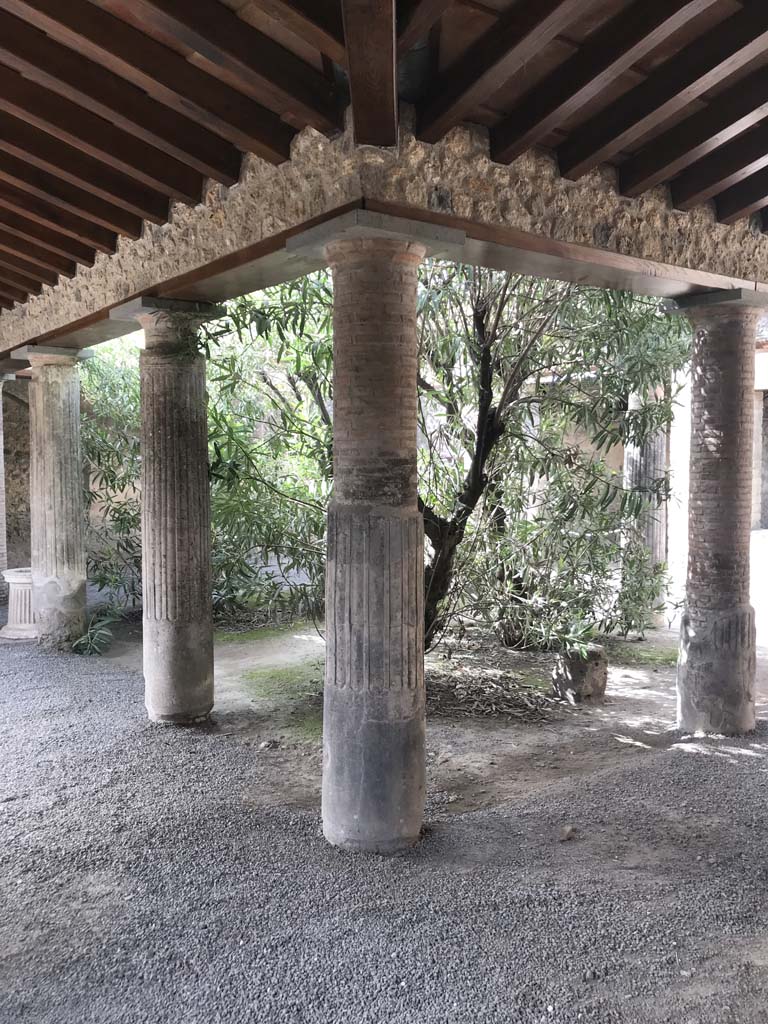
[(684, 77), (31, 271), (319, 25), (42, 151), (743, 199), (729, 114), (8, 291), (162, 73), (24, 252), (490, 62), (58, 243), (420, 19), (44, 213), (287, 83), (607, 53), (67, 197), (53, 66), (369, 29), (27, 284), (722, 169), (98, 138)]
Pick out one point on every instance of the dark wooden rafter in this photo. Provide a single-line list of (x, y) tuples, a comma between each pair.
[(722, 169), (492, 61), (30, 52), (50, 216), (67, 197), (163, 74), (418, 22), (732, 112), (18, 281), (97, 137), (46, 238), (29, 270), (286, 83), (668, 90), (8, 291), (318, 24), (606, 54), (370, 32), (744, 199), (38, 255), (42, 151), (11, 276)]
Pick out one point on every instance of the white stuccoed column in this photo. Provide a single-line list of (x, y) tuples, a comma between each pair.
[(175, 518), (57, 502)]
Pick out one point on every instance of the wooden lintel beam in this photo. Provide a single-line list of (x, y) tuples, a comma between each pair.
[(490, 62), (42, 151), (68, 197), (423, 15), (55, 67), (46, 238), (670, 88), (162, 73), (49, 216), (743, 199), (607, 53), (730, 113), (722, 169), (370, 32), (317, 24), (288, 85)]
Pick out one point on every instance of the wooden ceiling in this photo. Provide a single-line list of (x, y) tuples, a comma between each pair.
[(112, 109)]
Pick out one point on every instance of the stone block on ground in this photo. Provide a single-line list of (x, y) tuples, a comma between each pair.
[(576, 678)]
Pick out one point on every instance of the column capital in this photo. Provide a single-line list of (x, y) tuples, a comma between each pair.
[(731, 303), (170, 325), (49, 355)]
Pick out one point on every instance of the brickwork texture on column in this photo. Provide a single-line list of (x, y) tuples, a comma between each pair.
[(716, 672), (373, 777), (176, 542), (56, 500)]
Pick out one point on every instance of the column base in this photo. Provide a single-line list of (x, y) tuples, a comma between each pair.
[(716, 672), (178, 671), (59, 606)]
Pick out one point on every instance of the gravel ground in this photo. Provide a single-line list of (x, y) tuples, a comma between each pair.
[(149, 875)]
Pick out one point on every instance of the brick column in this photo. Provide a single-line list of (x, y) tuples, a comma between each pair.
[(373, 730), (57, 507), (716, 671), (175, 516)]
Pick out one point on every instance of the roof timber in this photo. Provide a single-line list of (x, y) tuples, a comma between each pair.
[(670, 88), (110, 110), (610, 51)]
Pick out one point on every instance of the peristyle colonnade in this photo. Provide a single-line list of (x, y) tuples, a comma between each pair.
[(374, 726)]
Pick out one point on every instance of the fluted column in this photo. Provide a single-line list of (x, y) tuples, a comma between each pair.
[(175, 520), (716, 671), (57, 507), (373, 729)]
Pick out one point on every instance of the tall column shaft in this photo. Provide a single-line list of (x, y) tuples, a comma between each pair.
[(56, 500), (175, 521), (716, 672), (374, 729)]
